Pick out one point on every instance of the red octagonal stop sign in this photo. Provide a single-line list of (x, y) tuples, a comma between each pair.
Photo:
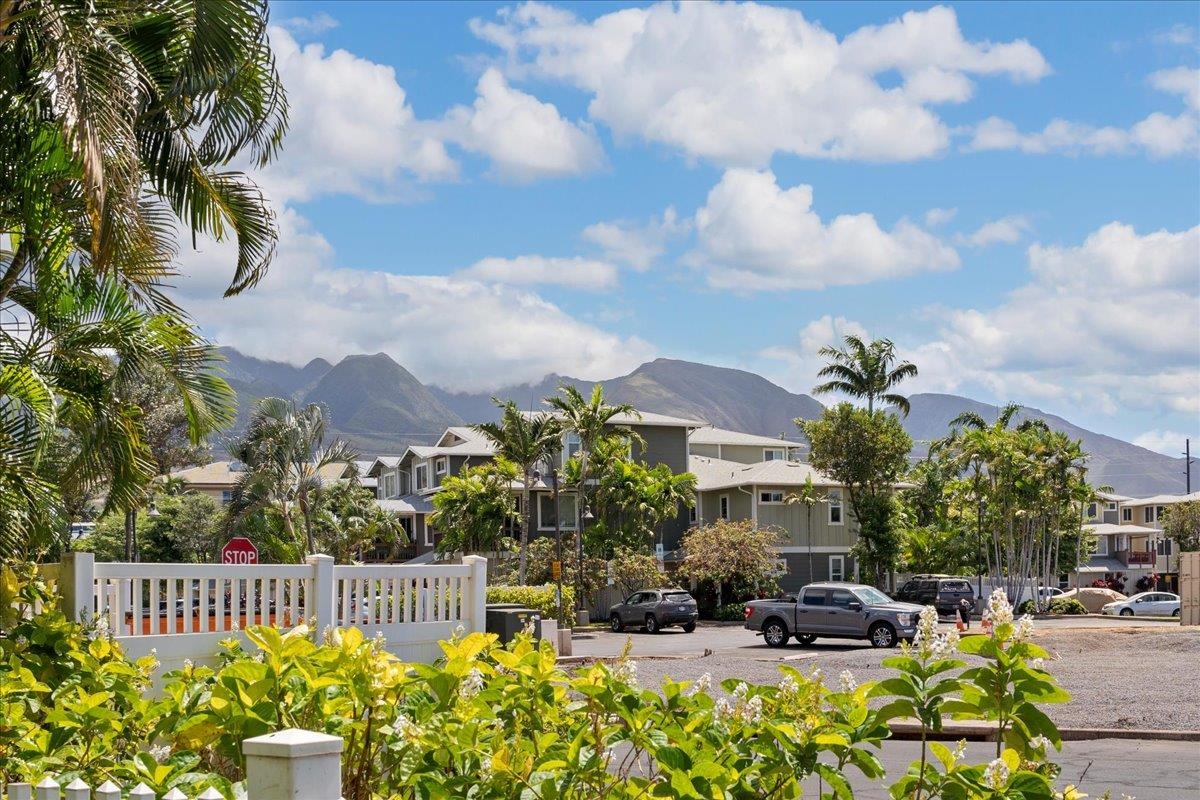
[(239, 550)]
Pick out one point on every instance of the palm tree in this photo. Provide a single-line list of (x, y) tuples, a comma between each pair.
[(525, 440), (809, 496), (106, 100), (866, 371), (284, 451), (590, 418)]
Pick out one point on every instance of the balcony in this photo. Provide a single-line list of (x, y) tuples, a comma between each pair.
[(1136, 558)]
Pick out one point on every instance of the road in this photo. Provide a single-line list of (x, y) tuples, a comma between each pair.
[(716, 638)]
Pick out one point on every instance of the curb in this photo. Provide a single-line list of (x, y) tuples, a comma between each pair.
[(986, 732)]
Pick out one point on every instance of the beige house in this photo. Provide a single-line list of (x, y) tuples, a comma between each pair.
[(759, 492), (1128, 536), (218, 479)]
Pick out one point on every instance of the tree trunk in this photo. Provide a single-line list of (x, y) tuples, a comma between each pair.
[(523, 556), (130, 521)]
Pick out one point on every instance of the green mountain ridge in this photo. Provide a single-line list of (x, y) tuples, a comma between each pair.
[(382, 408)]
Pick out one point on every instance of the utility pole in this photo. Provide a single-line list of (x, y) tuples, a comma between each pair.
[(1187, 464)]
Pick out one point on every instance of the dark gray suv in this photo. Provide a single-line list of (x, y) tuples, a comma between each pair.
[(943, 592), (655, 608)]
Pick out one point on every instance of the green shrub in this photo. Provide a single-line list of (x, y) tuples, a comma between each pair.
[(539, 598), (1057, 606), (730, 612)]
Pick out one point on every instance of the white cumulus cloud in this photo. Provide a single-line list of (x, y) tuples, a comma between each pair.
[(580, 273), (936, 217), (753, 234), (736, 83), (525, 138), (1006, 230), (637, 245), (457, 332), (1158, 135)]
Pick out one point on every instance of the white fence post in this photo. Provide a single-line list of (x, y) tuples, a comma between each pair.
[(324, 590), (474, 605), (75, 582), (293, 764)]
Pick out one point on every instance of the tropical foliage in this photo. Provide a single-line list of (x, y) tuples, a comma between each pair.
[(1182, 525), (525, 440), (283, 452), (474, 510), (867, 452), (867, 371), (184, 529), (492, 722), (735, 560), (119, 120)]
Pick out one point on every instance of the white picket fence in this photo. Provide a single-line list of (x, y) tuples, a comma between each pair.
[(286, 765), (183, 611)]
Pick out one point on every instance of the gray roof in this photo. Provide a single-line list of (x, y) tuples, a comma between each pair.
[(1107, 529), (641, 418), (408, 504), (715, 473), (1163, 499), (381, 463), (711, 435), (1107, 565), (1116, 498)]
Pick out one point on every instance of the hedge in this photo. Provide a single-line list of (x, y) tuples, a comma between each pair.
[(539, 598)]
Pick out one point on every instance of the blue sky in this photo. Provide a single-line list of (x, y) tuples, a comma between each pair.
[(490, 192)]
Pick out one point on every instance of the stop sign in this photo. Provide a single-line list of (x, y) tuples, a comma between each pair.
[(239, 550)]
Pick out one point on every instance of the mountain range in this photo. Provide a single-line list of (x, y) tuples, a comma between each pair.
[(381, 408)]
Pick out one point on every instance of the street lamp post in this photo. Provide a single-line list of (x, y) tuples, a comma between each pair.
[(584, 519), (537, 476)]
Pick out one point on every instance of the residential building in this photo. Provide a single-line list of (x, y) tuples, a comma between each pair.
[(407, 484), (218, 479), (746, 448), (1128, 536), (759, 492)]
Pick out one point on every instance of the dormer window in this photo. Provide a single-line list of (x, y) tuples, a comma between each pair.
[(571, 445), (774, 454), (441, 466), (421, 477)]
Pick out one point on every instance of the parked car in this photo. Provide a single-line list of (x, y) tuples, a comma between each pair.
[(836, 610), (943, 592), (1157, 604), (653, 609)]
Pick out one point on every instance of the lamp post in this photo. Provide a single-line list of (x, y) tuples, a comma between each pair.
[(537, 476), (585, 518)]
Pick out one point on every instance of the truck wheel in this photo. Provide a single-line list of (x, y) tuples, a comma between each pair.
[(688, 627), (775, 633), (617, 624), (805, 638), (882, 635), (651, 623)]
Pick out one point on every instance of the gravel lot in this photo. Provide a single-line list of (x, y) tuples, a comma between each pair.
[(1122, 677)]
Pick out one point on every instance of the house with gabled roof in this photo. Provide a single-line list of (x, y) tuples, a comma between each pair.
[(747, 448)]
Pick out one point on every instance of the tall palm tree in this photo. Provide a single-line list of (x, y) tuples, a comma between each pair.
[(809, 496), (105, 100), (526, 440), (591, 419), (284, 451), (866, 371)]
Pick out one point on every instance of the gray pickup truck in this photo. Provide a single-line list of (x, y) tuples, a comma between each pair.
[(837, 610)]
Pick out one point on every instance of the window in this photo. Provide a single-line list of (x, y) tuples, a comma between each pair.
[(1127, 515), (724, 506), (1091, 510), (1159, 512), (389, 484), (441, 466), (692, 514), (570, 445), (428, 534), (837, 568), (814, 597), (1101, 546), (226, 497), (1164, 547), (1110, 506), (421, 477), (835, 507), (770, 497), (840, 598), (570, 516), (1148, 514), (774, 454)]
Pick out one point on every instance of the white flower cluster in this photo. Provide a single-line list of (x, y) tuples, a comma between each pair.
[(331, 636), (625, 671), (1040, 742), (1038, 663), (996, 774), (745, 709), (102, 629), (485, 769), (160, 752), (406, 728), (528, 629), (1024, 629), (960, 750), (930, 644), (847, 681), (788, 686), (999, 610), (471, 685), (701, 684), (459, 631)]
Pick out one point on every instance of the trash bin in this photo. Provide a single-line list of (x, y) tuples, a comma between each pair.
[(506, 620)]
